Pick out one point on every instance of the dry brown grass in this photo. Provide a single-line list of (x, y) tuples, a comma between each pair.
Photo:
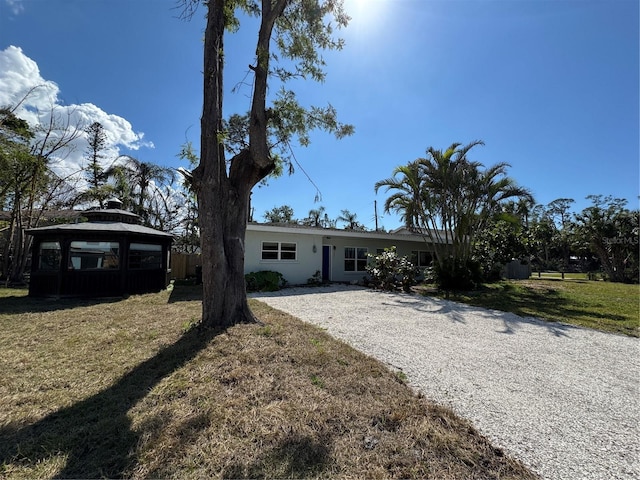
[(118, 389)]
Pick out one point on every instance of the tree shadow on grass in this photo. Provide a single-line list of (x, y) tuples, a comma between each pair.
[(186, 293), (549, 302), (547, 305), (299, 456), (17, 305), (95, 435)]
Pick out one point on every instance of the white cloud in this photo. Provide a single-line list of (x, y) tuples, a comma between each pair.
[(21, 82), (37, 99), (16, 6)]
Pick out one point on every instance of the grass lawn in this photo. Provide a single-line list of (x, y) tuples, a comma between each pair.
[(606, 306), (127, 388)]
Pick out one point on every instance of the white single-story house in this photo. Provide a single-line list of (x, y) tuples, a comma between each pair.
[(300, 252)]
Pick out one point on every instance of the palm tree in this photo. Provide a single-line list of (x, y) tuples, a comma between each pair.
[(315, 217), (136, 179), (122, 187), (523, 210), (449, 199), (406, 201), (350, 219), (517, 212)]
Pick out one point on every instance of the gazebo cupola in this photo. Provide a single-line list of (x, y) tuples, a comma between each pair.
[(113, 213)]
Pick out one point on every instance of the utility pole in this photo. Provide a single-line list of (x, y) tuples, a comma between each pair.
[(375, 212)]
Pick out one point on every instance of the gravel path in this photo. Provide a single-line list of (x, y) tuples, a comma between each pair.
[(562, 399)]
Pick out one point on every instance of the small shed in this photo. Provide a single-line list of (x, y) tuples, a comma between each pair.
[(111, 254), (516, 270)]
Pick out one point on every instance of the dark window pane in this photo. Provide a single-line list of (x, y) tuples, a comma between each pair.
[(145, 256), (49, 256), (94, 255)]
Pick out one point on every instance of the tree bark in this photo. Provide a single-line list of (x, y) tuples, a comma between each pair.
[(224, 299), (224, 197)]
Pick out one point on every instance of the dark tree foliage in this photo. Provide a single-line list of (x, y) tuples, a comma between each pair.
[(611, 232), (282, 214)]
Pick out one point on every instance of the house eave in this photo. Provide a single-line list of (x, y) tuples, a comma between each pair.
[(327, 233)]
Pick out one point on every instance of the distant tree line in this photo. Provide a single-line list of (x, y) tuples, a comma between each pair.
[(316, 218), (601, 238)]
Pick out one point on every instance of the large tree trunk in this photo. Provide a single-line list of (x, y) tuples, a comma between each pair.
[(223, 225), (223, 197), (221, 206)]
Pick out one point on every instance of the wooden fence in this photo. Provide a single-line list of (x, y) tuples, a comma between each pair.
[(183, 265), (514, 270)]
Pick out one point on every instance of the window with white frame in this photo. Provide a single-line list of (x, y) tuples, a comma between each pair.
[(355, 259), (421, 258), (279, 251)]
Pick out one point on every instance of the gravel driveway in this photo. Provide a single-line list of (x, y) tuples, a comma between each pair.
[(562, 399)]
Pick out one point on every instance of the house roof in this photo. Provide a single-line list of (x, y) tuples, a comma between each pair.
[(400, 234)]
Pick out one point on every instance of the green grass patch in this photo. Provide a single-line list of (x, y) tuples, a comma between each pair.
[(605, 306), (129, 388)]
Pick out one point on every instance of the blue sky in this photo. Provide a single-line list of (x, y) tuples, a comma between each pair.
[(551, 87)]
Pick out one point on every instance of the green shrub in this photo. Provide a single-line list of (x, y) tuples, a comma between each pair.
[(316, 279), (453, 274), (264, 281), (388, 271)]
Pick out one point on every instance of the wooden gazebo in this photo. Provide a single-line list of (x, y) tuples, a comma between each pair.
[(109, 255)]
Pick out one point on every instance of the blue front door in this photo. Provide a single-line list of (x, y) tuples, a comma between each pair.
[(326, 263)]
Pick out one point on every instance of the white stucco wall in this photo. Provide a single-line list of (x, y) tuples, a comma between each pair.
[(295, 272), (338, 273), (308, 261)]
